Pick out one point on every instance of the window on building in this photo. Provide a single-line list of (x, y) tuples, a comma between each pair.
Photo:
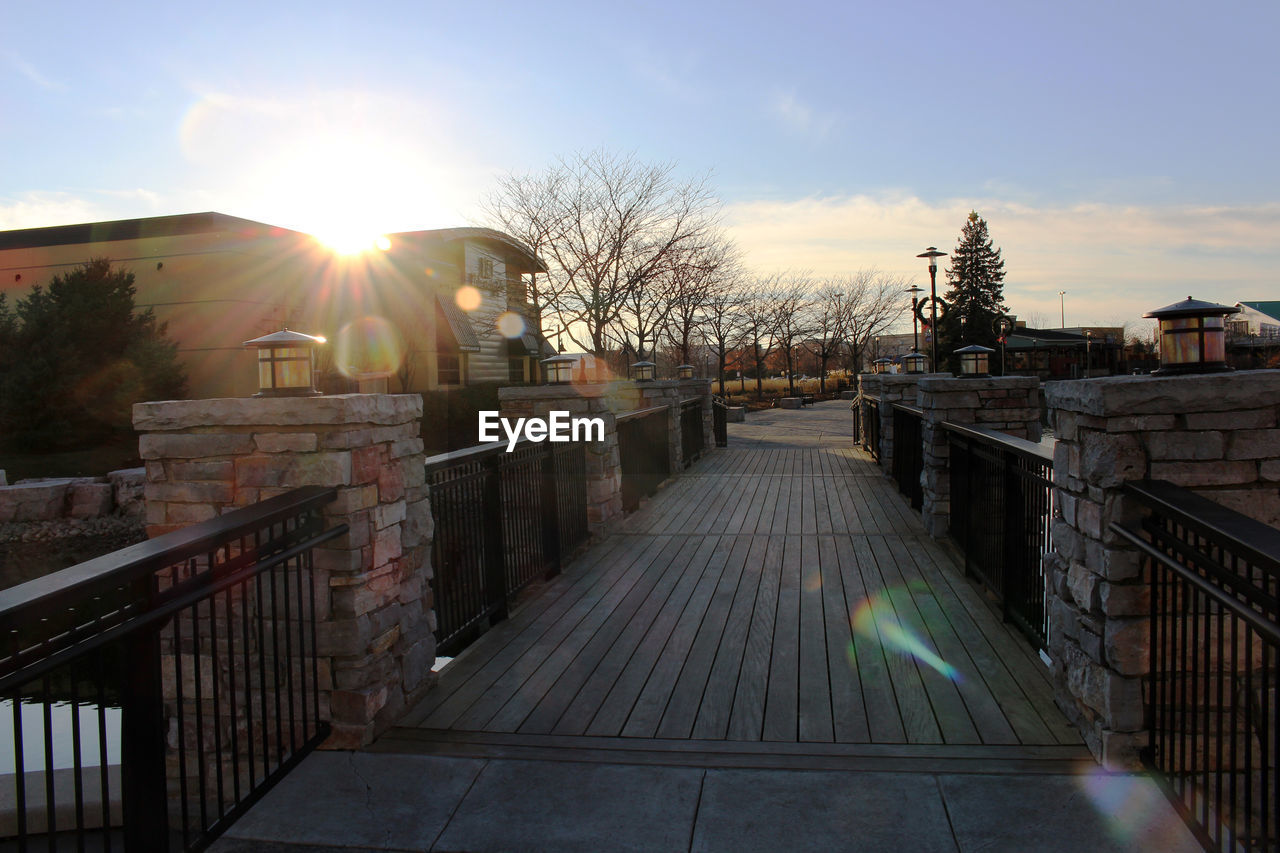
[(449, 368), (515, 369), (484, 268)]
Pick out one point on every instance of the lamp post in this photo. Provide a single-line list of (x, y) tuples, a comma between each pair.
[(915, 322), (1062, 306), (933, 254)]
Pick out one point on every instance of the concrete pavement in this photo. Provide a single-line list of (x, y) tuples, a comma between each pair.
[(371, 801)]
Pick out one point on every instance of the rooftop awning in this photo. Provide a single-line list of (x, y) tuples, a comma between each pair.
[(463, 333), (531, 344)]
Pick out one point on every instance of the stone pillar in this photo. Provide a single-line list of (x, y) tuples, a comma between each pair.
[(606, 401), (1010, 404), (1215, 434), (206, 457), (604, 475), (896, 388), (673, 392)]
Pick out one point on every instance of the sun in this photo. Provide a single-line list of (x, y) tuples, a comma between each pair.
[(353, 242)]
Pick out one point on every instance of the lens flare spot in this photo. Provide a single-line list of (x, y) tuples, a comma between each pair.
[(875, 619), (468, 298), (368, 347), (383, 244), (1134, 809), (510, 324)]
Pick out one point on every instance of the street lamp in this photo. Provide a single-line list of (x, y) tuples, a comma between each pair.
[(1062, 306), (933, 254), (1192, 337), (915, 323), (286, 364)]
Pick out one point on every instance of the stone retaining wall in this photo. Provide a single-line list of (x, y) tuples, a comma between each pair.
[(82, 498)]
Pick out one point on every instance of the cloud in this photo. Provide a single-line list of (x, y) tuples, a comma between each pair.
[(1114, 261), (39, 209), (797, 117), (29, 71)]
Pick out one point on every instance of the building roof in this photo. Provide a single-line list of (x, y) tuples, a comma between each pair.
[(463, 332), (449, 235), (136, 229), (1270, 308), (1025, 338)]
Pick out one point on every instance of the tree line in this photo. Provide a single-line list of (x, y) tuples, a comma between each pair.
[(639, 263)]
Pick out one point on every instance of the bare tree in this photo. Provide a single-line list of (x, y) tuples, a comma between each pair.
[(789, 318), (723, 317), (757, 312), (693, 283), (607, 226), (874, 301), (829, 326)]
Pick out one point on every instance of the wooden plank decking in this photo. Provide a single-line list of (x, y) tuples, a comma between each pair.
[(761, 608)]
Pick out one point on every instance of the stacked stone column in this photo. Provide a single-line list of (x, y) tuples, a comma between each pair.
[(607, 401), (1010, 404), (896, 388), (1215, 434), (604, 475), (206, 457)]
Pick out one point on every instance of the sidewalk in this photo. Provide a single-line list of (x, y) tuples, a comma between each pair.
[(372, 801)]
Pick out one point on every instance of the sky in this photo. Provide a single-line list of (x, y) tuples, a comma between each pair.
[(1122, 152)]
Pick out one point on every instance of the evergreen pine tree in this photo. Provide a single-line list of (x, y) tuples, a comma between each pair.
[(976, 292), (74, 358)]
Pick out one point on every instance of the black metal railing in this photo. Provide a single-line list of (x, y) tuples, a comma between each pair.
[(1001, 517), (720, 422), (869, 417), (643, 453), (692, 442), (157, 692), (908, 451), (502, 521), (1215, 644)]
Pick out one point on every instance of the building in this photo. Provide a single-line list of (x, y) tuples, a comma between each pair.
[(426, 309), (1063, 353), (1256, 319)]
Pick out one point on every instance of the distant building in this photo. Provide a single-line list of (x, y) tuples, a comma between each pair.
[(1256, 319), (219, 280), (1064, 353)]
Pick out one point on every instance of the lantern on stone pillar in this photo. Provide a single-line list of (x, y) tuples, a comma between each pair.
[(684, 371), (881, 365), (975, 361), (1192, 337), (558, 369), (643, 371), (286, 364), (915, 362)]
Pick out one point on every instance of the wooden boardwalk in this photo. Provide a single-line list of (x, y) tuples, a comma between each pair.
[(777, 605)]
